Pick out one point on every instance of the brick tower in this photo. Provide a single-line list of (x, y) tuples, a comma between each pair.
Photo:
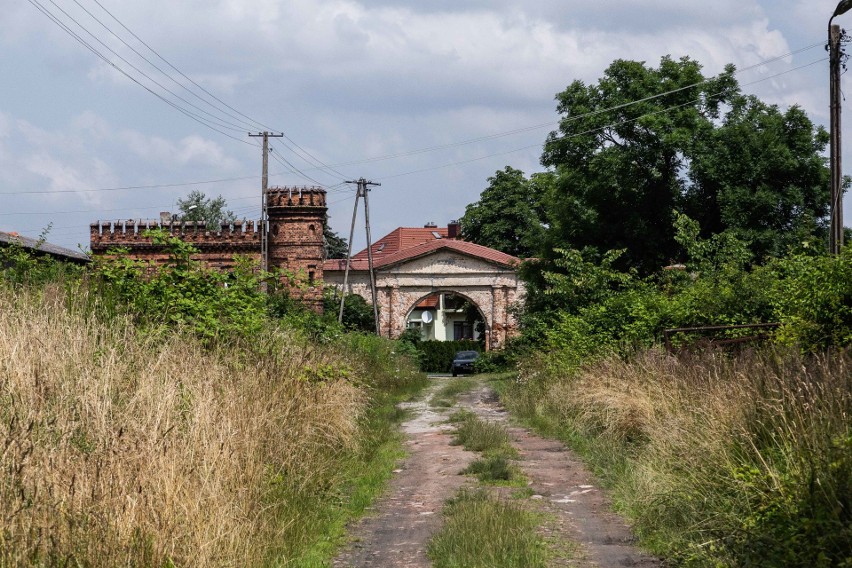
[(296, 222)]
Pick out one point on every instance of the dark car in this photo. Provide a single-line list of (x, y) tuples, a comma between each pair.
[(463, 362)]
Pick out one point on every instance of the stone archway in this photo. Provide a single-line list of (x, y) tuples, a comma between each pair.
[(492, 301), (491, 285)]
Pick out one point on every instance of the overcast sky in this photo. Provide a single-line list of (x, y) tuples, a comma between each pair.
[(359, 88)]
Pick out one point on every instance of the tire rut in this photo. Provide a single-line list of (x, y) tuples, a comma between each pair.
[(567, 491), (397, 532)]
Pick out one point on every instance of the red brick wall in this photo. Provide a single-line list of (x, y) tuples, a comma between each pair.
[(296, 219)]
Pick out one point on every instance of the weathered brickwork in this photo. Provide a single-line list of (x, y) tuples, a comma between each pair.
[(296, 222), (493, 288)]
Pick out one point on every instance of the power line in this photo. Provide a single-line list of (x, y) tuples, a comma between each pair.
[(551, 123), (577, 117), (106, 60), (251, 123)]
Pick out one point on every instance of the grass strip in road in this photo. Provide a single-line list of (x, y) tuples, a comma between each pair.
[(483, 531), (496, 470), (477, 435), (446, 396)]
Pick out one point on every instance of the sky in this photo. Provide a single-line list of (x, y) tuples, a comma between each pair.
[(427, 98)]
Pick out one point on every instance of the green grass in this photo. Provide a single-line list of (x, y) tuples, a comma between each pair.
[(482, 531), (496, 470), (719, 460), (324, 515), (477, 435), (448, 394)]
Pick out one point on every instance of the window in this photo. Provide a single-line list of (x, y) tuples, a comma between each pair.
[(462, 330)]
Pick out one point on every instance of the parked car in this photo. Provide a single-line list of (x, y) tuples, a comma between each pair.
[(463, 362)]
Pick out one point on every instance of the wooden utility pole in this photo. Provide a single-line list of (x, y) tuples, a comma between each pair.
[(264, 185), (362, 191), (349, 255), (836, 59)]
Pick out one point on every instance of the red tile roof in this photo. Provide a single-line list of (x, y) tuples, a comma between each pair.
[(406, 243), (430, 301), (402, 238)]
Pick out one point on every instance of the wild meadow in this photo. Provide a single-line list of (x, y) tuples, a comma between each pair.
[(720, 456), (129, 439)]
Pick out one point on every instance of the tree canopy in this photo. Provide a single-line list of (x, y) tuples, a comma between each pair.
[(645, 142), (198, 207), (510, 201)]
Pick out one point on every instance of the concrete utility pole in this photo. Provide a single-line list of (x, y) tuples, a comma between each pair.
[(264, 185), (362, 191), (836, 57)]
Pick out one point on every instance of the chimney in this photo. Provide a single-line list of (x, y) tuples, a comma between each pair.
[(165, 217), (430, 225), (453, 229)]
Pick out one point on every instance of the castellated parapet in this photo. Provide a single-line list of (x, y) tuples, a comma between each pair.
[(296, 223), (296, 226)]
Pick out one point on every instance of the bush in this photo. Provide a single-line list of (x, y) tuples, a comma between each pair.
[(437, 356), (813, 299)]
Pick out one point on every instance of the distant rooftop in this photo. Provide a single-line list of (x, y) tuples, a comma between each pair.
[(55, 251)]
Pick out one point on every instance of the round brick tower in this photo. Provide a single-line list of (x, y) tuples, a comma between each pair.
[(296, 223)]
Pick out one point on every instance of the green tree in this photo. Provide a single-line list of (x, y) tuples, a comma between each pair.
[(509, 215), (761, 176), (621, 156), (198, 207), (334, 245), (645, 142)]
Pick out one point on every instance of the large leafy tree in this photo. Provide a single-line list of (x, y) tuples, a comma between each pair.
[(622, 155), (761, 176), (645, 142), (510, 214), (198, 207)]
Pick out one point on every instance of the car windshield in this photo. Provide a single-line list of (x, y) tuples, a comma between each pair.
[(466, 355)]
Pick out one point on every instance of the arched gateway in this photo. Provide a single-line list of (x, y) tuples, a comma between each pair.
[(413, 264)]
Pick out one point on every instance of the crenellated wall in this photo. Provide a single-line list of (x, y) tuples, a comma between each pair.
[(296, 226), (216, 248)]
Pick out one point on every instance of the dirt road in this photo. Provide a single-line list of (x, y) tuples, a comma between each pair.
[(398, 531)]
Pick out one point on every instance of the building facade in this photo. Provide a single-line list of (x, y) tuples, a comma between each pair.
[(295, 239), (417, 269)]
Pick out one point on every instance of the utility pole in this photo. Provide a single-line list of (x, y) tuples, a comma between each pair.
[(362, 191), (836, 59), (349, 255), (264, 185)]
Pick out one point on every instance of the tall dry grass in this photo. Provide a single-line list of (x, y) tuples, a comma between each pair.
[(739, 460), (120, 448)]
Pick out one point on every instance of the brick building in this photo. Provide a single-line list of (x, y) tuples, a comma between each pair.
[(295, 241)]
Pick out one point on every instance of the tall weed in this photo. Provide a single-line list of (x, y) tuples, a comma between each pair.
[(125, 446), (719, 459)]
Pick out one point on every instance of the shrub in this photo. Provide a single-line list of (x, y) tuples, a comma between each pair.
[(813, 299), (437, 356)]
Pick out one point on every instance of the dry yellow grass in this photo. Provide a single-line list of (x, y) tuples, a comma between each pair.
[(712, 452), (122, 449)]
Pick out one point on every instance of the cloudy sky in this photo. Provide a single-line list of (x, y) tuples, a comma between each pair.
[(429, 98)]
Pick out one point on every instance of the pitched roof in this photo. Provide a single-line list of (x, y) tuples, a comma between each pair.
[(422, 249), (402, 238), (34, 245)]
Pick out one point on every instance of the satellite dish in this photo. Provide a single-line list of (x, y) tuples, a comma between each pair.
[(426, 317)]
